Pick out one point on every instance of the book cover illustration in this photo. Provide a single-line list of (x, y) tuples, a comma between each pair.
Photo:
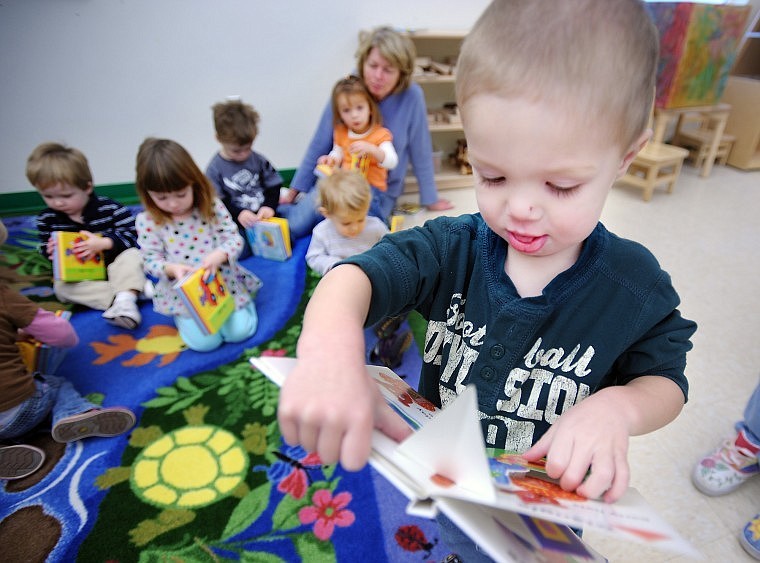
[(70, 268), (208, 301), (39, 357), (270, 238), (444, 465)]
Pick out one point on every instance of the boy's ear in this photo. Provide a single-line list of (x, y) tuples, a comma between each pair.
[(89, 187), (322, 211), (633, 150)]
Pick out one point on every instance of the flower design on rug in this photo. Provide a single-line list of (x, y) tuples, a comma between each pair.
[(327, 511)]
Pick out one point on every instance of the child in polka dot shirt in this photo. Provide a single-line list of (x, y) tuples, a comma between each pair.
[(185, 227)]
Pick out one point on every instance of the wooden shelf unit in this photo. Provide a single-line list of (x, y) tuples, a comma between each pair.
[(743, 93), (440, 46)]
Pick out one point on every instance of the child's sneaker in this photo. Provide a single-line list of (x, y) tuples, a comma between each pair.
[(106, 422), (123, 313), (724, 470), (390, 351), (19, 461), (750, 537)]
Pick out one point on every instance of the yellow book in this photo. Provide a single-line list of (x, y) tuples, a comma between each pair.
[(270, 238), (209, 302), (67, 267)]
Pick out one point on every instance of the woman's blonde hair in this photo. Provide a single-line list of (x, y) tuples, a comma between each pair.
[(165, 166), (344, 190), (394, 46)]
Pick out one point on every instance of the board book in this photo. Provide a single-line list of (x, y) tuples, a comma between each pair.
[(208, 302), (508, 506), (270, 238), (68, 267), (42, 358)]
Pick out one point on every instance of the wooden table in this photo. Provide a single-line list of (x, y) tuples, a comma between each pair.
[(718, 114)]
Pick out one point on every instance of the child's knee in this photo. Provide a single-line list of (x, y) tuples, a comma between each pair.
[(194, 338), (241, 325)]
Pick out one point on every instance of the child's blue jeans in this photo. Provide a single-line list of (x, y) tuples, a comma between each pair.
[(53, 395), (241, 325), (751, 423)]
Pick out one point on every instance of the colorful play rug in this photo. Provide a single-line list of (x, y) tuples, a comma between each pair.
[(205, 475)]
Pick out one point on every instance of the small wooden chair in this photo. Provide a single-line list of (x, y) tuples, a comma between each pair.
[(695, 131), (656, 164)]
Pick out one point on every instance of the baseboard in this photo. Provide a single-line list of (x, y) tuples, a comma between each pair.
[(30, 203)]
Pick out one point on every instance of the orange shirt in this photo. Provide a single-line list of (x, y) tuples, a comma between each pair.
[(376, 175)]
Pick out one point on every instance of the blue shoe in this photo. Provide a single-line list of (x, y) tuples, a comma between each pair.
[(750, 537)]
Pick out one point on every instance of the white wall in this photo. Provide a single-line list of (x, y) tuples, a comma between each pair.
[(101, 75)]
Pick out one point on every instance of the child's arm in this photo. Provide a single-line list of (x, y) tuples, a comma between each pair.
[(51, 329), (329, 404), (384, 153), (120, 229), (318, 257), (593, 435)]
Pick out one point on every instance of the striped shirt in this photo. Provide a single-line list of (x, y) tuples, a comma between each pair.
[(101, 215)]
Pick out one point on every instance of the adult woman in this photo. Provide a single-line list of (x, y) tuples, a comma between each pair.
[(385, 61)]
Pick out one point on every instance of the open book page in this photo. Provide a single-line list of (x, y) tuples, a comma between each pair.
[(444, 463)]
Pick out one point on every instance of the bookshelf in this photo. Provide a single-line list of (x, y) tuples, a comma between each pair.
[(441, 47)]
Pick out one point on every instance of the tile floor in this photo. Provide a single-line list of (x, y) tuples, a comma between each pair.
[(705, 234)]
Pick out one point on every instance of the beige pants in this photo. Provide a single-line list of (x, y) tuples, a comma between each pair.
[(124, 274)]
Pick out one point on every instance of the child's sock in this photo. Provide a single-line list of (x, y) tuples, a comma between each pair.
[(125, 296), (742, 442)]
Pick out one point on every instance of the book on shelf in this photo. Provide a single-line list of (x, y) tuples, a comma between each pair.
[(70, 268), (270, 238), (508, 506), (40, 357), (208, 302)]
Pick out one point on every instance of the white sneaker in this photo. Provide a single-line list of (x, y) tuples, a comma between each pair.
[(123, 313), (724, 470)]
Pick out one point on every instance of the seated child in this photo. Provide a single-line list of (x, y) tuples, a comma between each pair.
[(360, 142), (570, 334), (181, 205), (28, 399), (62, 177), (248, 185), (344, 200)]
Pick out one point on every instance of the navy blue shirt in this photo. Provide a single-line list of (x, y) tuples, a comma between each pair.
[(608, 319), (245, 185)]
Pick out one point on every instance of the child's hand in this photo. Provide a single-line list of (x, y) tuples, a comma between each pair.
[(331, 410), (363, 147), (247, 218), (91, 245), (594, 435), (177, 271), (50, 247), (591, 436), (326, 159), (264, 213), (211, 263)]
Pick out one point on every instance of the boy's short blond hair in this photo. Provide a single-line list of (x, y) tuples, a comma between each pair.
[(54, 163), (344, 191), (235, 122), (598, 58)]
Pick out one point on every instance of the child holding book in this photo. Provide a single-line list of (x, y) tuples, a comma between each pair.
[(28, 399), (247, 183), (63, 178), (185, 227), (344, 199), (360, 142), (571, 335)]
